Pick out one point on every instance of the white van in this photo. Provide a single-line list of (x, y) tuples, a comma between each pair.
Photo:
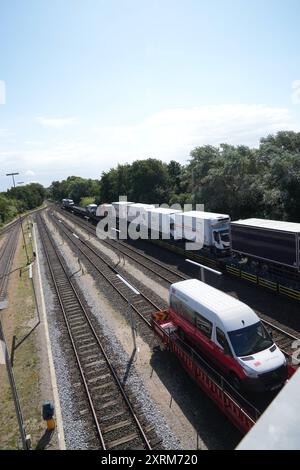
[(229, 333)]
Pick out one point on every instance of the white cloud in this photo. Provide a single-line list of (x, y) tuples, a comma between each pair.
[(29, 173), (168, 134), (55, 122), (174, 132)]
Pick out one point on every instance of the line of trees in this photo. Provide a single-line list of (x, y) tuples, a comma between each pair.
[(81, 190), (238, 180), (20, 199)]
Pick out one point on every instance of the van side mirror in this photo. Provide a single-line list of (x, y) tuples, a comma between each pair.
[(270, 333)]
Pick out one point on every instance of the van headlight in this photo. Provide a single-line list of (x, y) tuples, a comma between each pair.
[(248, 371)]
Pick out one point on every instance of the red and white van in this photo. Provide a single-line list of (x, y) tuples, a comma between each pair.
[(229, 334)]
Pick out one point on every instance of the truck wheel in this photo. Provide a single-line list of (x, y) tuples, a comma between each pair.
[(235, 381)]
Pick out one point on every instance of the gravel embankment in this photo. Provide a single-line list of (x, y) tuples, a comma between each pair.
[(74, 427), (134, 384)]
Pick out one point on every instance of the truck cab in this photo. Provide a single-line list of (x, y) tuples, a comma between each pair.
[(207, 229)]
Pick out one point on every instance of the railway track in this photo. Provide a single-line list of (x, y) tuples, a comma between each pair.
[(9, 227), (142, 304), (283, 338), (115, 421), (156, 267), (6, 257)]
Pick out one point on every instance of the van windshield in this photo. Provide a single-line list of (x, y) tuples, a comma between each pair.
[(224, 235), (250, 340)]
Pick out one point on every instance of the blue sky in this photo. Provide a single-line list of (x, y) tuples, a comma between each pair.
[(92, 83)]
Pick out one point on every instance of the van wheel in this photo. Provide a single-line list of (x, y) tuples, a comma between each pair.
[(235, 381)]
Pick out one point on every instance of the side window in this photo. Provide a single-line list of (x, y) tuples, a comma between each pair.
[(216, 237), (203, 325), (221, 338), (188, 313), (181, 309), (174, 304)]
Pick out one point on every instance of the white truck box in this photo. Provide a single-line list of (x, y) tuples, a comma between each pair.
[(134, 210), (121, 208), (104, 209), (160, 220)]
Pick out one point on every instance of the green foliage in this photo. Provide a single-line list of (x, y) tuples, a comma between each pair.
[(20, 199), (74, 187), (237, 180), (142, 181), (244, 182), (8, 209), (29, 196)]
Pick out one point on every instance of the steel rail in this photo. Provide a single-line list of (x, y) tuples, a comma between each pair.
[(112, 269), (117, 381)]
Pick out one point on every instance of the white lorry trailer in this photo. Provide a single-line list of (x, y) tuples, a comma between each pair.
[(121, 208), (160, 221), (137, 210)]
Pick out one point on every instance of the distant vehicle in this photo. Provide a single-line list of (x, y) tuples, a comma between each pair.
[(212, 229), (67, 202), (91, 208), (229, 334)]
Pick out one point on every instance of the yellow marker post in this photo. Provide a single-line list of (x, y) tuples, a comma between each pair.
[(50, 424)]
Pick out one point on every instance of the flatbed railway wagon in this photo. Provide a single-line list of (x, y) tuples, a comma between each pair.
[(235, 407)]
